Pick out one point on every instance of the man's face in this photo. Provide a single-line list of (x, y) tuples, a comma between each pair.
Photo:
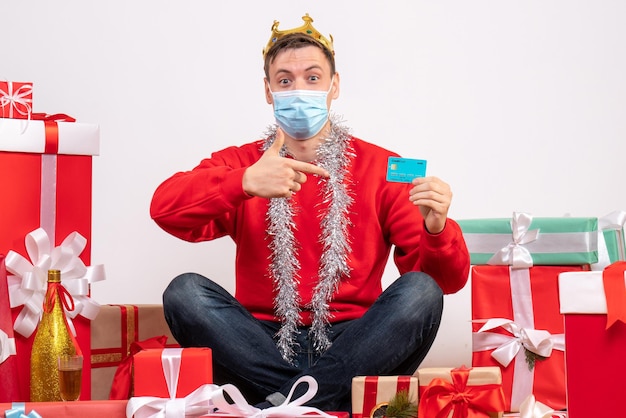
[(301, 69)]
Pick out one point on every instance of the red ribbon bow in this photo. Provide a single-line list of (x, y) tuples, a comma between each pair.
[(442, 397), (121, 387), (68, 303), (615, 292), (66, 297)]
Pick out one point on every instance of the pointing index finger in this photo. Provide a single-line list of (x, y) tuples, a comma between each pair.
[(310, 168)]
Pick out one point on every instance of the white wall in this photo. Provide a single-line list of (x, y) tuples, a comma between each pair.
[(519, 105)]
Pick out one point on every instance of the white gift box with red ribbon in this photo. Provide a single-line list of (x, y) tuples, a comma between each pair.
[(49, 136)]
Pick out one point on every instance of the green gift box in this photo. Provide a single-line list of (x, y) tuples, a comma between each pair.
[(524, 241)]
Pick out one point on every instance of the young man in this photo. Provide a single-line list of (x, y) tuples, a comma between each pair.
[(314, 221)]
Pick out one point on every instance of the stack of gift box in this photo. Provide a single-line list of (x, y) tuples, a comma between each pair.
[(45, 167), (517, 323)]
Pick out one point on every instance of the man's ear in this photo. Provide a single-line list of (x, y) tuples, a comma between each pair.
[(268, 94), (334, 94)]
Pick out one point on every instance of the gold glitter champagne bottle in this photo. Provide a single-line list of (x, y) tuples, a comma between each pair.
[(53, 338)]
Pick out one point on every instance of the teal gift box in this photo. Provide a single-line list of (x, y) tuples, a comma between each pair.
[(524, 241)]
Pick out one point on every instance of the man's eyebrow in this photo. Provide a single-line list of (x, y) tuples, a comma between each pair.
[(285, 71)]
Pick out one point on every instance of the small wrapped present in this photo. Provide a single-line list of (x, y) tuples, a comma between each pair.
[(118, 331), (373, 393), (194, 367), (524, 241), (460, 392), (45, 169), (519, 328), (594, 307), (16, 100)]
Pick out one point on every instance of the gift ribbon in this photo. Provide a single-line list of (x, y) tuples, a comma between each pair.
[(288, 408), (52, 129), (28, 284), (530, 408), (456, 399), (506, 347), (121, 386), (514, 254), (18, 101), (67, 301), (615, 292), (18, 410), (7, 346)]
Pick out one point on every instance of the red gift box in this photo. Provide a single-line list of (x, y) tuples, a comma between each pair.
[(16, 100), (463, 392), (44, 188), (196, 369), (369, 393), (595, 346), (522, 306)]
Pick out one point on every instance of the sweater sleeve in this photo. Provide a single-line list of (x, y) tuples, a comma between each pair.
[(199, 205), (443, 256)]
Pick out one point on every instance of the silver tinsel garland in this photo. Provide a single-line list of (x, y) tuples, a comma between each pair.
[(334, 155)]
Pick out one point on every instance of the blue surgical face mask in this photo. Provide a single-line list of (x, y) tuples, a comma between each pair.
[(301, 113)]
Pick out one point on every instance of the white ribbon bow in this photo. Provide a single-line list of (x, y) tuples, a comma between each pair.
[(514, 254), (28, 284), (530, 408), (7, 346), (506, 347), (288, 409), (17, 98)]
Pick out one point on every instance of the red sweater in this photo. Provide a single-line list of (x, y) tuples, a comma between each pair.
[(209, 202)]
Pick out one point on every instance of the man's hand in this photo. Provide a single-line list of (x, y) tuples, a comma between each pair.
[(276, 176), (433, 196)]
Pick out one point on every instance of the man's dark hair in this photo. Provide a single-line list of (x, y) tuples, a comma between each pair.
[(295, 41)]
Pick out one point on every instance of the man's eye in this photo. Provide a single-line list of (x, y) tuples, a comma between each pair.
[(283, 81), (314, 78)]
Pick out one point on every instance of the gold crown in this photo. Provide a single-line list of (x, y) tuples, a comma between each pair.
[(307, 29)]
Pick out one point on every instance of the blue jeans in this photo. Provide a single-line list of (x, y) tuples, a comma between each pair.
[(392, 338)]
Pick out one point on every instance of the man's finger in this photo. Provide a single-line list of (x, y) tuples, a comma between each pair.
[(309, 168), (278, 142)]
